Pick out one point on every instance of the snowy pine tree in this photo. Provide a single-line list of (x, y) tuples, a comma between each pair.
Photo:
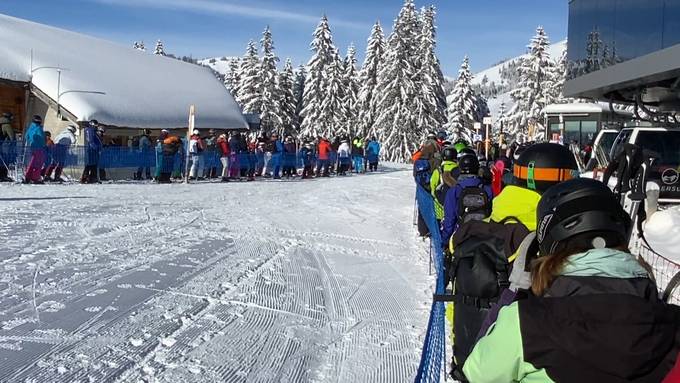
[(430, 102), (535, 90), (375, 50), (287, 100), (159, 50), (249, 80), (351, 93), (560, 74), (313, 119), (462, 108), (232, 78), (333, 112), (396, 122), (299, 91), (267, 104)]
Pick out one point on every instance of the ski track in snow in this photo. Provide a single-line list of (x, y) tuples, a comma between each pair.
[(319, 281)]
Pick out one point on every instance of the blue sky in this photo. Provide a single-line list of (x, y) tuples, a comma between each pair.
[(486, 30)]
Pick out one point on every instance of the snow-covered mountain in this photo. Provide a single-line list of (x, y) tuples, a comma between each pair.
[(218, 64), (493, 75)]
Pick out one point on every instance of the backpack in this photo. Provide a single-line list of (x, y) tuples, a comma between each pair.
[(479, 271), (474, 204), (422, 174)]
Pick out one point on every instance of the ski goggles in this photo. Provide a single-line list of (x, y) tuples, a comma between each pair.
[(533, 174)]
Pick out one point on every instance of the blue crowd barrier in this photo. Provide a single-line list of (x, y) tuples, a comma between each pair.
[(14, 153), (433, 358)]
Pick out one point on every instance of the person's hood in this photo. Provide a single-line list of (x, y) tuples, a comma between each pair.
[(604, 263)]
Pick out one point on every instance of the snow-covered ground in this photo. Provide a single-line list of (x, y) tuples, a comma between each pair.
[(320, 281)]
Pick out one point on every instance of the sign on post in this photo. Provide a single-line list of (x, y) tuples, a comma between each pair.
[(488, 120)]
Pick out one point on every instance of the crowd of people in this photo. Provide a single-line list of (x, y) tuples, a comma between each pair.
[(543, 286), (216, 155)]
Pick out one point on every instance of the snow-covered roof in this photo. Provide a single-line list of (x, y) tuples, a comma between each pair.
[(582, 107), (142, 90)]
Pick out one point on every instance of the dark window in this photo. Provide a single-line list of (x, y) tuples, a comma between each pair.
[(664, 144), (607, 141)]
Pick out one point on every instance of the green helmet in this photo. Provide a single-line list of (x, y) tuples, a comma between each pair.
[(460, 145)]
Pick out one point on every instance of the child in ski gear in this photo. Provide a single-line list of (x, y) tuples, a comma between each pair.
[(36, 141), (469, 199), (289, 153), (196, 148), (442, 180), (593, 313)]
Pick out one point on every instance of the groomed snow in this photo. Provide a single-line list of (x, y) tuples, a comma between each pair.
[(142, 90), (314, 281)]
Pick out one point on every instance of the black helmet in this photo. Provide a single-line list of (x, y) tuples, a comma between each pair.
[(8, 115), (468, 164), (441, 135), (37, 119), (466, 151), (94, 123), (449, 153), (584, 212), (543, 165)]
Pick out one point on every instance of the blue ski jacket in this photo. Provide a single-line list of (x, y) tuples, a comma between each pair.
[(35, 136)]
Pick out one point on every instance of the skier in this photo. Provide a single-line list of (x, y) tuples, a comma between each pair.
[(35, 140), (170, 148), (289, 151), (307, 152), (277, 156), (210, 155), (224, 151), (373, 154), (234, 160), (483, 252), (102, 159), (343, 158), (144, 146), (196, 148), (593, 314), (7, 146), (49, 150), (358, 154), (442, 180), (322, 164), (63, 142), (429, 151), (469, 199)]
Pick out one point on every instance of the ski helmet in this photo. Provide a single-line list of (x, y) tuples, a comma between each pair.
[(431, 136), (72, 129), (584, 212), (543, 165), (466, 151), (94, 123), (460, 145), (441, 135), (8, 116), (468, 164), (449, 153), (195, 132), (37, 119)]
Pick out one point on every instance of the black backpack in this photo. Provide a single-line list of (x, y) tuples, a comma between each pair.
[(479, 271), (474, 204)]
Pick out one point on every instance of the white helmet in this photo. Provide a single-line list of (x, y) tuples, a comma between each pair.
[(196, 132)]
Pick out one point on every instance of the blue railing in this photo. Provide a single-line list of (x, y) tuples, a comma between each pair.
[(433, 360)]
